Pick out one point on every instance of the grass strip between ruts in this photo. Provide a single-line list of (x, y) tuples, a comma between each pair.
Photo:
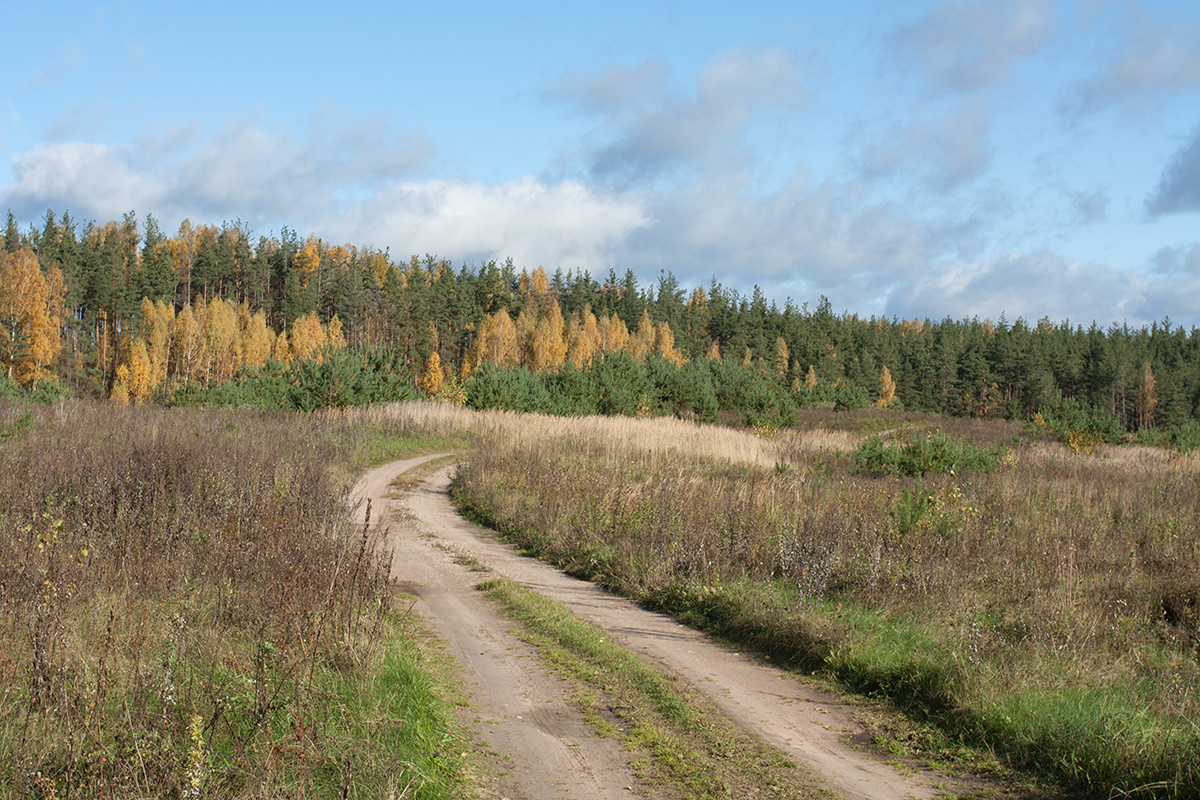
[(687, 744)]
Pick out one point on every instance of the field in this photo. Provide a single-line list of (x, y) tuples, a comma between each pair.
[(1041, 605), (188, 611)]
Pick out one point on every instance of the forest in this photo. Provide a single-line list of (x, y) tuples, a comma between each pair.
[(208, 315)]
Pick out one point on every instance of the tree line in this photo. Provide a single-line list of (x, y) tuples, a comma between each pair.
[(80, 302)]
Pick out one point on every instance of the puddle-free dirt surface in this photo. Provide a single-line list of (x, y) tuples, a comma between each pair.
[(525, 714)]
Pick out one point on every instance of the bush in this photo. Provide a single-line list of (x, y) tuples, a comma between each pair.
[(934, 452), (1079, 426)]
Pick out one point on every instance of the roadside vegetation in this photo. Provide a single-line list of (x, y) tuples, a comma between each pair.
[(186, 611), (1020, 597)]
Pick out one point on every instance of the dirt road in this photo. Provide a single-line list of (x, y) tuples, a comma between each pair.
[(524, 712)]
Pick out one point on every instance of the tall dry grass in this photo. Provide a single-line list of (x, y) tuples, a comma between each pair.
[(654, 441), (1049, 609), (181, 594)]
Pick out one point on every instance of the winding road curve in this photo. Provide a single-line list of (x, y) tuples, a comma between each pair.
[(524, 713)]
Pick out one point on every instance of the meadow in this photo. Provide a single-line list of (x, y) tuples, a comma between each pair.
[(1037, 605), (188, 612)]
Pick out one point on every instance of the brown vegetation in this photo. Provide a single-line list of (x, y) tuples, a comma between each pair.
[(182, 597), (1047, 609)]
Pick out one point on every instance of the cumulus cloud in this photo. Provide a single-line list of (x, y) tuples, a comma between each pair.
[(647, 130), (1178, 189), (1028, 285), (566, 224), (245, 170), (93, 179), (963, 46), (799, 242)]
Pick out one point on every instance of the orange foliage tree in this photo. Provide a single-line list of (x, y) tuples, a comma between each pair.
[(31, 315)]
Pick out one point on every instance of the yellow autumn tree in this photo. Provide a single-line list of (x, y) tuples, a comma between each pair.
[(526, 329), (781, 357), (158, 320), (641, 343), (335, 336), (139, 376), (810, 380), (613, 335), (533, 284), (281, 351), (431, 378), (549, 345), (222, 340), (307, 260), (308, 338), (258, 341), (186, 345), (714, 351), (31, 314), (664, 344), (887, 388), (495, 340), (183, 257), (582, 337)]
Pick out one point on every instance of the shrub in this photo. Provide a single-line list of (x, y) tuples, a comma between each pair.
[(932, 453)]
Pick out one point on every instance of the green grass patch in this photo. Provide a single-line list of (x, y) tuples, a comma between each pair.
[(690, 746)]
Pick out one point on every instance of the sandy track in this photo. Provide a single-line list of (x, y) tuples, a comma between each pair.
[(523, 708), (522, 712)]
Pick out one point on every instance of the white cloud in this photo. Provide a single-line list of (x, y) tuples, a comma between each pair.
[(1030, 286), (93, 180), (244, 171), (566, 224)]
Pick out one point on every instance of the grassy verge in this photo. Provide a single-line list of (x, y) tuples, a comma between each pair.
[(689, 747), (1043, 614), (187, 612)]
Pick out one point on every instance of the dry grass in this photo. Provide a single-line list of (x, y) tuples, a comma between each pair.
[(184, 606), (1057, 599), (656, 441)]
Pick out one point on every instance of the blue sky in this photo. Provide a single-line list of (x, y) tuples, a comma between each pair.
[(1026, 158)]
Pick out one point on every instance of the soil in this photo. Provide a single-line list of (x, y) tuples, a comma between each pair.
[(524, 713)]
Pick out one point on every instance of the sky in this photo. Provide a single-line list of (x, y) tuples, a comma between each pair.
[(1018, 159)]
